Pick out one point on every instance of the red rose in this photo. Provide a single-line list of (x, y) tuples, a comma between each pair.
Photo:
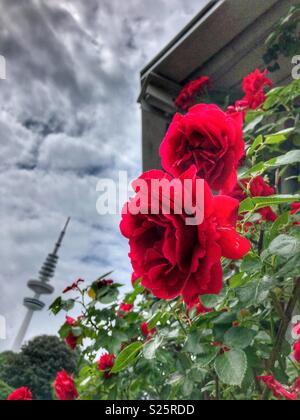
[(278, 390), (296, 208), (21, 394), (253, 87), (145, 330), (71, 340), (296, 330), (209, 139), (174, 258), (187, 96), (106, 362), (257, 188), (297, 352), (126, 307), (74, 286), (65, 387)]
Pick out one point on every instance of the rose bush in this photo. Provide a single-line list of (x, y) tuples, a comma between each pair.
[(211, 312)]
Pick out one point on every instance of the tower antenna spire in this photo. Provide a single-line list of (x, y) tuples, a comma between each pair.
[(40, 287)]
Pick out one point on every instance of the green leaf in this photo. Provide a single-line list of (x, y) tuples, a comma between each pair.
[(236, 281), (289, 158), (251, 263), (210, 301), (257, 203), (279, 137), (281, 221), (227, 318), (257, 142), (246, 206), (252, 125), (255, 292), (284, 246), (239, 338), (231, 367), (127, 356), (151, 347), (155, 320), (56, 306)]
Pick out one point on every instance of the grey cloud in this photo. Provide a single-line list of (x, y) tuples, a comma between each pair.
[(68, 115)]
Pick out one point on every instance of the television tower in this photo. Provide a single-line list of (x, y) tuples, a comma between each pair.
[(39, 287)]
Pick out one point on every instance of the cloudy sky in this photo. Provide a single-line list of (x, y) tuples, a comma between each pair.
[(68, 117)]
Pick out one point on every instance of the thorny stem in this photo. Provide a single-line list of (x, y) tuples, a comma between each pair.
[(178, 319), (283, 330)]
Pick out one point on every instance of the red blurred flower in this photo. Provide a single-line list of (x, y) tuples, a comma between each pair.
[(70, 321), (240, 109), (297, 352), (106, 363), (278, 390), (200, 308), (65, 387), (104, 283), (187, 96), (257, 188), (145, 330), (209, 139), (21, 394), (295, 210), (254, 88), (71, 340), (296, 330), (74, 286), (126, 307), (174, 258)]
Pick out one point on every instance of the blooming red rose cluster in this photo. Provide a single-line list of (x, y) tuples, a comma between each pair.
[(21, 394), (65, 387), (171, 257), (188, 94)]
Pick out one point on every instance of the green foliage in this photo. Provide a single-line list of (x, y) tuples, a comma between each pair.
[(284, 40), (220, 353), (5, 391), (37, 365)]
